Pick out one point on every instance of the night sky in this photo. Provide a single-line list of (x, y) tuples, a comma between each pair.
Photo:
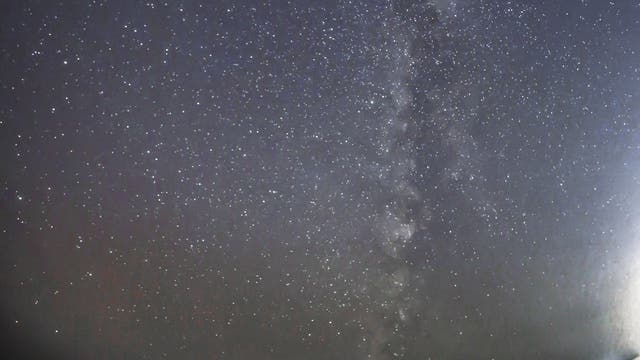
[(366, 180)]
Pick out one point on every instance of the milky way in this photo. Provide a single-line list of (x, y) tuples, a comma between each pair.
[(320, 179)]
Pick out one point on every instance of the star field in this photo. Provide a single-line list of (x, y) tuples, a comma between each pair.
[(378, 180)]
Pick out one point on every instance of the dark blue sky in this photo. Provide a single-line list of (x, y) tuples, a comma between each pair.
[(320, 179)]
